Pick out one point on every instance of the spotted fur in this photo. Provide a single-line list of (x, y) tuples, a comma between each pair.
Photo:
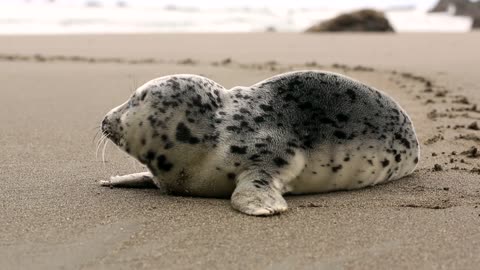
[(298, 132)]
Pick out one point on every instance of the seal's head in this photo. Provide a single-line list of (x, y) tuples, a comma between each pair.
[(124, 125), (172, 111)]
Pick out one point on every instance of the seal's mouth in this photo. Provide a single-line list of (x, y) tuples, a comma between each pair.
[(114, 139), (109, 131)]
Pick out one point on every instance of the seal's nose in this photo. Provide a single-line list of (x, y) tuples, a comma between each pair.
[(104, 125)]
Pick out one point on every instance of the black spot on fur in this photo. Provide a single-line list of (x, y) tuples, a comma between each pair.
[(231, 176), (406, 143), (266, 108), (184, 134), (169, 145), (305, 105), (289, 97), (280, 162), (402, 140), (237, 117), (259, 119), (244, 124), (193, 140), (340, 134), (150, 155), (415, 160), (255, 157), (238, 149), (327, 121), (232, 128), (290, 151), (244, 111), (337, 168), (350, 93), (398, 158), (292, 144), (163, 164), (385, 163), (342, 117)]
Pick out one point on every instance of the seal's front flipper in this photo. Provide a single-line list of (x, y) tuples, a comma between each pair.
[(258, 194), (135, 180)]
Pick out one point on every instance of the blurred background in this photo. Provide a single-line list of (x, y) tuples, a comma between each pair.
[(148, 16)]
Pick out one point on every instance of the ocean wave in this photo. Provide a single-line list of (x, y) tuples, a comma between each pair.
[(52, 19)]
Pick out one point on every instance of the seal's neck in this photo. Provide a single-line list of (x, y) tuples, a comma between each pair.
[(188, 130)]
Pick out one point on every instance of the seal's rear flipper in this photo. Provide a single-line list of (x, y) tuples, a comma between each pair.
[(135, 180)]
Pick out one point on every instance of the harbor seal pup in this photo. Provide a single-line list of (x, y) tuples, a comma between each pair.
[(299, 132)]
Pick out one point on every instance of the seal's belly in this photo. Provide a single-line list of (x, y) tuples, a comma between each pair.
[(344, 167)]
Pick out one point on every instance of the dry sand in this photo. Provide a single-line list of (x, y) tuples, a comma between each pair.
[(54, 215)]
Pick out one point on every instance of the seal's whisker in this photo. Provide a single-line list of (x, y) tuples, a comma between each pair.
[(103, 151), (102, 137), (102, 134), (97, 145), (96, 135), (100, 142)]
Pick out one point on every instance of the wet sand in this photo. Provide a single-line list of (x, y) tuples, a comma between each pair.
[(55, 90)]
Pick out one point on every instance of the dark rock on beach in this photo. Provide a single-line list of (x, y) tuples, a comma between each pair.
[(365, 20)]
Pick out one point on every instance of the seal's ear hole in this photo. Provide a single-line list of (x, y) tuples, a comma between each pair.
[(144, 94)]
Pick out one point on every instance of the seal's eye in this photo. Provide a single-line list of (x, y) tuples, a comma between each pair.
[(142, 97), (132, 103)]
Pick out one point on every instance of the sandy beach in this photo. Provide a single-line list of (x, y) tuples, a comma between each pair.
[(54, 215)]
